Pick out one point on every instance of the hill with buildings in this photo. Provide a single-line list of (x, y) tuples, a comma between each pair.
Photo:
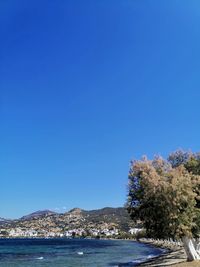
[(76, 222)]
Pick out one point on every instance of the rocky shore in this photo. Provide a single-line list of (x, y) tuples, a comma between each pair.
[(174, 254)]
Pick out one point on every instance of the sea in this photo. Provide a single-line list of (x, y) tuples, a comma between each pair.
[(73, 253)]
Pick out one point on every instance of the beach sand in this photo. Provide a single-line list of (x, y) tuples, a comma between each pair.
[(188, 264), (168, 259), (175, 256)]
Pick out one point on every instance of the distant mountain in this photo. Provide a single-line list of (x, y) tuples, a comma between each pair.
[(118, 216), (37, 214), (3, 220), (47, 221), (76, 211)]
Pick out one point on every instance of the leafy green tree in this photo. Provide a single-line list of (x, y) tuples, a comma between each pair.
[(164, 194)]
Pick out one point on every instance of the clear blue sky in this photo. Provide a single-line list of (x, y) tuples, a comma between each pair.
[(86, 86)]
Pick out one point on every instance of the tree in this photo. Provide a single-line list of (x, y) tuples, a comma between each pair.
[(165, 195)]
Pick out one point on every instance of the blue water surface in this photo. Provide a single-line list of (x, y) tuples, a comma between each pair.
[(73, 253)]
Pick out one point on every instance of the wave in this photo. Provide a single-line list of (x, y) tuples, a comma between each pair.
[(40, 258)]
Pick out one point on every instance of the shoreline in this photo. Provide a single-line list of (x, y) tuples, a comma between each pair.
[(173, 255)]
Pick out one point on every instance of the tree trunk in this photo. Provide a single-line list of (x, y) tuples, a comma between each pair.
[(197, 245), (191, 249)]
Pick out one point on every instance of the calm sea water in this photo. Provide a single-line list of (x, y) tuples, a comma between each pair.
[(73, 253)]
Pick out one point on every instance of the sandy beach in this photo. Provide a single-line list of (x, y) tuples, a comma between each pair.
[(174, 255), (188, 264), (168, 259)]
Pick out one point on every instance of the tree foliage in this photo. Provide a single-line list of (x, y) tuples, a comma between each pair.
[(165, 195)]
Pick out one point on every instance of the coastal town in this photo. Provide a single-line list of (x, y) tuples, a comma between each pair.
[(112, 223), (80, 232)]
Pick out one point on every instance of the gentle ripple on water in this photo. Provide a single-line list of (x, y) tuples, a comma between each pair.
[(73, 253)]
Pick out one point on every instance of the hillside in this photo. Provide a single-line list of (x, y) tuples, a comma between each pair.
[(4, 221), (74, 220), (37, 214)]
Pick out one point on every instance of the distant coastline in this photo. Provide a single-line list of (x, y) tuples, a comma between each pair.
[(107, 222), (102, 227)]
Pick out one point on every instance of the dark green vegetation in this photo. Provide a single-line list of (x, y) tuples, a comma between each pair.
[(165, 196)]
